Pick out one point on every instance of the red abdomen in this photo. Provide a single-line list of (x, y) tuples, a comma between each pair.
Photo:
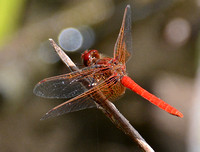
[(129, 83)]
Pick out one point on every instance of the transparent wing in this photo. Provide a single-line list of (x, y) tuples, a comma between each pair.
[(72, 106), (68, 85), (83, 100), (123, 45)]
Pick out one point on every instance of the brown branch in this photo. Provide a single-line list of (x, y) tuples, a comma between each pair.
[(64, 57), (108, 108)]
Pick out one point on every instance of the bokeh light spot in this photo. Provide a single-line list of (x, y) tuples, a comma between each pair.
[(70, 39), (177, 31)]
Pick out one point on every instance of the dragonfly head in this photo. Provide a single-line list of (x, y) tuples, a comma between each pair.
[(90, 57)]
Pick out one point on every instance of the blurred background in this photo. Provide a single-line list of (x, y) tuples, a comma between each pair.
[(165, 61)]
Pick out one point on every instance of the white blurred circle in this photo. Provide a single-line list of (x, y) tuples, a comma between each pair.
[(177, 31), (70, 39)]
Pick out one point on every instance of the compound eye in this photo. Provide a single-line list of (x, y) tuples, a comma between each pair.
[(94, 54), (86, 57)]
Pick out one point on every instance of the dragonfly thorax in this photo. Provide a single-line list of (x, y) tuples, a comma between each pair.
[(107, 70), (111, 72)]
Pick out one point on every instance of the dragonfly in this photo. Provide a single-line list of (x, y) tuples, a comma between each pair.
[(101, 75)]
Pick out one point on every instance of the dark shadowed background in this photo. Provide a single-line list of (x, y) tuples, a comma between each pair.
[(165, 61)]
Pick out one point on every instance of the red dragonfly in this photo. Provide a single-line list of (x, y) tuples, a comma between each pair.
[(101, 74)]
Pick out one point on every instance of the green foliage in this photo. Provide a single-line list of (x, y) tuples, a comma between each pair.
[(10, 14)]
